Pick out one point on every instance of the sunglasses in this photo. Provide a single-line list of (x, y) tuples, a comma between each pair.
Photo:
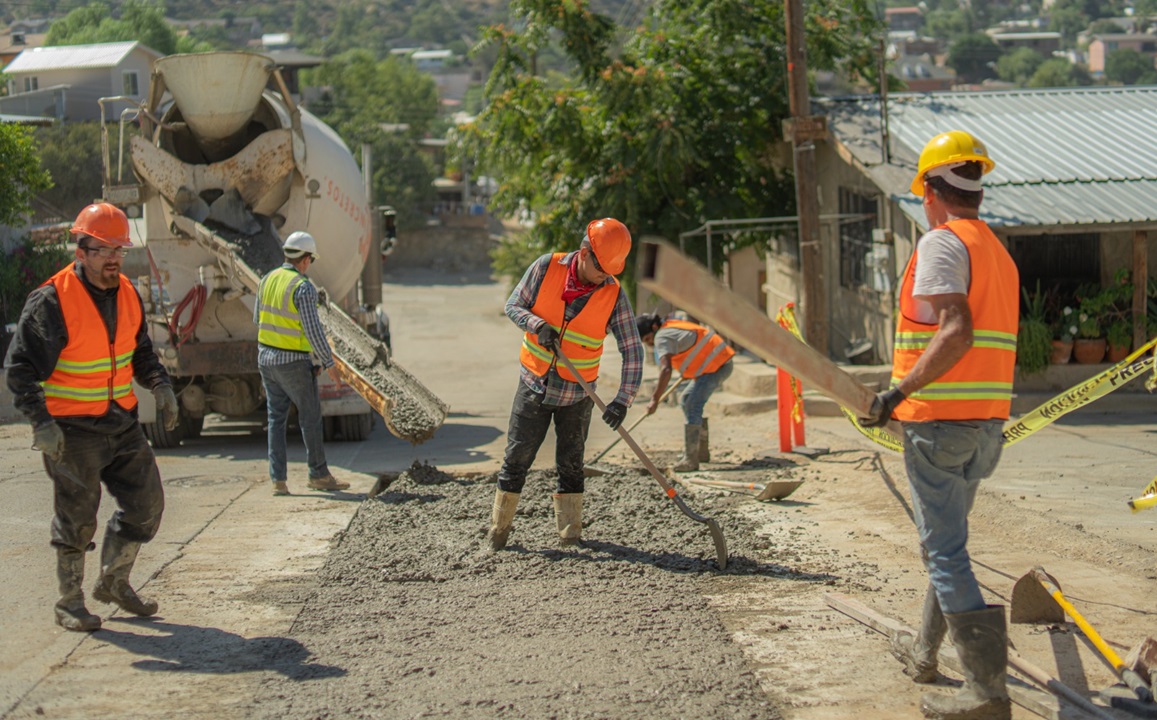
[(106, 252), (595, 260)]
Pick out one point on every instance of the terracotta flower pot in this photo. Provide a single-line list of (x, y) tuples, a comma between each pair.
[(1062, 351), (1117, 353), (1088, 352)]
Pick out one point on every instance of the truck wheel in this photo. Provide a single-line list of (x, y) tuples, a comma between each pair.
[(355, 428), (329, 428), (192, 426), (160, 438)]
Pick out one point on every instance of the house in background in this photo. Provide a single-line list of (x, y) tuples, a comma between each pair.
[(12, 43), (65, 82), (1073, 194), (1101, 46), (1045, 43)]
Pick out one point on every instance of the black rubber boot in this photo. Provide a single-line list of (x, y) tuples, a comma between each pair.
[(704, 442), (918, 652), (117, 557), (981, 639), (71, 614), (690, 460)]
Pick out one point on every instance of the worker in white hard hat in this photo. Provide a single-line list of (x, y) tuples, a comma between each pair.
[(289, 337), (951, 390)]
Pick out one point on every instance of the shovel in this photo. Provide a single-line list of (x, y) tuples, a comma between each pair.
[(716, 532), (777, 490), (1037, 597), (592, 469)]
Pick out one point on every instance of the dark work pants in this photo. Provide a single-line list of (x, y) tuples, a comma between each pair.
[(126, 465), (529, 421)]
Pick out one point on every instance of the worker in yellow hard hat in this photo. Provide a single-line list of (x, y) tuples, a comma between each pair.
[(566, 303), (951, 390)]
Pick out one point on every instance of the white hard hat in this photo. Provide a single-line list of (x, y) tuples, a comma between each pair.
[(299, 243)]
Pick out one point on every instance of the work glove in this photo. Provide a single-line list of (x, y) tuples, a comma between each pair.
[(322, 297), (167, 406), (547, 336), (614, 414), (882, 407), (49, 439)]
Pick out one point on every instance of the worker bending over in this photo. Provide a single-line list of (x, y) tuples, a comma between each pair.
[(701, 356), (566, 303)]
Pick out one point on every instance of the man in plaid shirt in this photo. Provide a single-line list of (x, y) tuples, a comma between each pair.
[(566, 303)]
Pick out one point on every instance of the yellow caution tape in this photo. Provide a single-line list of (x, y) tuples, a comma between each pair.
[(786, 319), (1151, 489), (1143, 503)]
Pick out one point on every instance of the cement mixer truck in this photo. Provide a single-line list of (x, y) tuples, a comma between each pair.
[(223, 169)]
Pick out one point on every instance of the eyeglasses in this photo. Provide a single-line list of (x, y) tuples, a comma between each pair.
[(595, 260), (106, 252)]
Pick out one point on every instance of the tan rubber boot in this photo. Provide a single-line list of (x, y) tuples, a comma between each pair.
[(981, 639), (918, 652), (704, 443), (690, 460), (502, 518), (117, 557), (71, 614), (568, 513)]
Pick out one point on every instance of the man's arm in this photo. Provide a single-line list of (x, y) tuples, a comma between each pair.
[(952, 340), (305, 297), (524, 295), (40, 337), (661, 385), (622, 326), (147, 367)]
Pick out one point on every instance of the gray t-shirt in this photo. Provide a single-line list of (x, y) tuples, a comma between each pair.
[(672, 341), (942, 268)]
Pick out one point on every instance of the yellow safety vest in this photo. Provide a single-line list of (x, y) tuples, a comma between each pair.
[(279, 323)]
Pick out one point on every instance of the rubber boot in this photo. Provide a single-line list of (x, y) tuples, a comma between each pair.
[(117, 557), (568, 513), (502, 518), (71, 614), (704, 443), (690, 460), (981, 639), (918, 652)]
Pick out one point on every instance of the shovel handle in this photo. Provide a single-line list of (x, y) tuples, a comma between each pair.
[(635, 424)]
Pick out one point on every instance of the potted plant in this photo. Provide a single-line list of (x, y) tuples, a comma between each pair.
[(1064, 330), (1120, 338), (1089, 346), (1034, 339)]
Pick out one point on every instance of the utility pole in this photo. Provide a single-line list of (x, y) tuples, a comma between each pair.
[(802, 130)]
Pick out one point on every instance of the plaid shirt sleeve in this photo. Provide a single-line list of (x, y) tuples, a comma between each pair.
[(305, 297), (525, 293), (622, 326)]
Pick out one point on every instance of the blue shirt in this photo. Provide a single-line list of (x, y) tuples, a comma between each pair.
[(306, 299)]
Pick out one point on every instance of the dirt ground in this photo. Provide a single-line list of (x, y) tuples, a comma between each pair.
[(348, 606)]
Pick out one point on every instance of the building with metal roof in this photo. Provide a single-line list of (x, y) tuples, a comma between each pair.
[(1073, 194)]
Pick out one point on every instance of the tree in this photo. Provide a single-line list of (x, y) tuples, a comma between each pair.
[(683, 125), (1068, 21), (1058, 72), (1019, 65), (71, 154), (1127, 66), (22, 173), (947, 24), (973, 57), (139, 20)]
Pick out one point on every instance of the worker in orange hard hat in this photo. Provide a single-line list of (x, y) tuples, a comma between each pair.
[(565, 304), (951, 390), (80, 343)]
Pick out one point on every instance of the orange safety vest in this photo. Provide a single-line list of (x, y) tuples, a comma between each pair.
[(90, 371), (707, 355), (581, 339), (979, 386)]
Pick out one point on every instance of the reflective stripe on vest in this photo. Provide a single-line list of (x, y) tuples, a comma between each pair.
[(90, 372), (979, 386), (279, 324), (707, 355), (581, 338)]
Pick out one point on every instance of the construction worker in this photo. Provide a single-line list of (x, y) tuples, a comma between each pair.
[(702, 357), (289, 335), (80, 342), (951, 390), (566, 303)]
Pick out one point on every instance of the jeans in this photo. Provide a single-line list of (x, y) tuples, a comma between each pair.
[(293, 383), (946, 462), (695, 396), (529, 421)]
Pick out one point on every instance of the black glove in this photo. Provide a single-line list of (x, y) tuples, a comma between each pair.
[(49, 439), (547, 336), (167, 406), (614, 414), (882, 408)]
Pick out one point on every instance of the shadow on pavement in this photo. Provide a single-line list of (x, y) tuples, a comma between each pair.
[(193, 649)]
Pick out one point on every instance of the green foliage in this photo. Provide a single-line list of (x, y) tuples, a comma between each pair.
[(675, 124), (21, 170), (947, 24), (1103, 307), (972, 57), (1127, 66), (139, 20), (1019, 65), (1068, 21), (1034, 338), (70, 153), (1059, 72), (23, 270), (1120, 333)]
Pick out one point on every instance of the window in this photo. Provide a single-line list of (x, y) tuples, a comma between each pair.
[(31, 83), (130, 84), (855, 237), (1062, 261)]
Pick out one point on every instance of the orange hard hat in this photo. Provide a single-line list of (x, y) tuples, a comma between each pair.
[(104, 222), (611, 242)]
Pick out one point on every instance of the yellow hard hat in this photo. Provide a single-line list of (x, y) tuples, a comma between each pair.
[(954, 146)]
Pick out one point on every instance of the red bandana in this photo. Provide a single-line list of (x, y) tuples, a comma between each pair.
[(575, 288)]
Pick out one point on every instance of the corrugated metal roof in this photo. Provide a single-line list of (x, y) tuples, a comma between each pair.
[(59, 57), (1064, 156)]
